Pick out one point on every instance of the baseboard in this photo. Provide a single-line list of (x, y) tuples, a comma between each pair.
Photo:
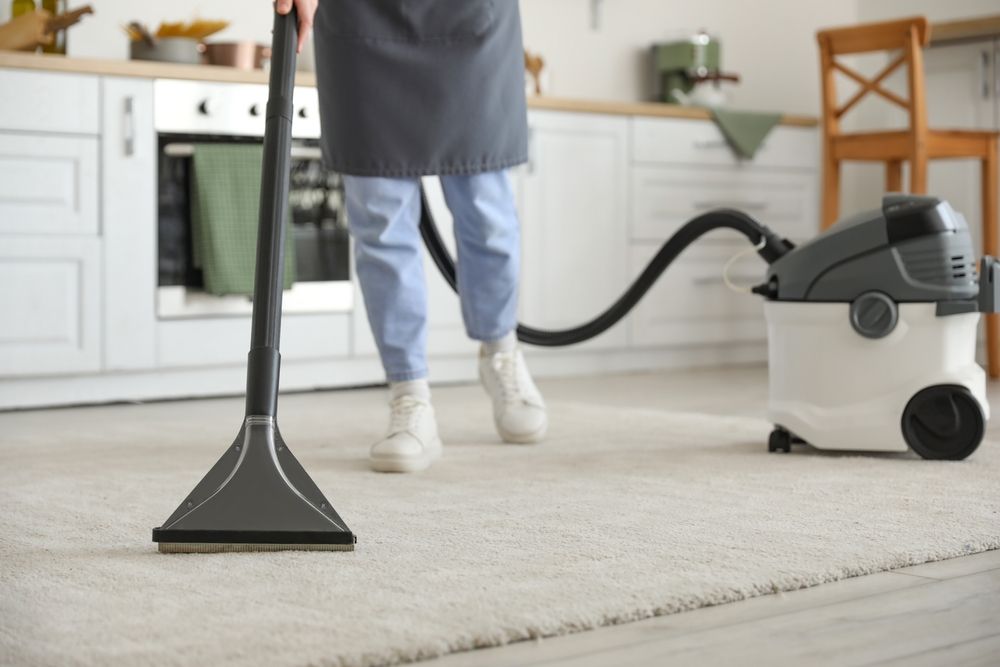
[(355, 372)]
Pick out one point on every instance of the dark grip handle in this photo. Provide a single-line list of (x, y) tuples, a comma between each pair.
[(263, 361)]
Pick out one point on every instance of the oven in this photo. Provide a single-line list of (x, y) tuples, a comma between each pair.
[(188, 113)]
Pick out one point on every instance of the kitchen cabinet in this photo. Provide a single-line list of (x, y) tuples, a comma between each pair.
[(574, 221), (665, 197), (48, 184), (128, 215), (693, 142), (49, 102), (601, 192), (677, 174), (50, 297)]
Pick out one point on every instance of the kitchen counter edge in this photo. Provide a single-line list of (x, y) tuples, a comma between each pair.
[(155, 70)]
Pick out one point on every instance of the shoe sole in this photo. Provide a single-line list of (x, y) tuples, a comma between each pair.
[(406, 464), (522, 438)]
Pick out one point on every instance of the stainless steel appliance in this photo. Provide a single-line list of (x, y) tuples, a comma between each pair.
[(188, 113)]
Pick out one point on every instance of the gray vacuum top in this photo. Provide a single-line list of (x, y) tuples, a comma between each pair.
[(914, 249)]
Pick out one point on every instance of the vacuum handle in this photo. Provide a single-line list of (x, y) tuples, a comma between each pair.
[(264, 360)]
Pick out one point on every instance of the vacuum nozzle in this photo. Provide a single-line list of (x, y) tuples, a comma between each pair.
[(257, 497)]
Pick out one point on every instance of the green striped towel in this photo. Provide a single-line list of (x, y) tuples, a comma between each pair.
[(225, 196)]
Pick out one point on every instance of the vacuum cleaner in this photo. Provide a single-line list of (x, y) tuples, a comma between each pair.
[(871, 326), (258, 497), (871, 334)]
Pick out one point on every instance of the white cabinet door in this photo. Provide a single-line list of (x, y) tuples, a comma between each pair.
[(50, 297), (128, 206), (222, 341), (574, 220), (48, 184), (33, 101)]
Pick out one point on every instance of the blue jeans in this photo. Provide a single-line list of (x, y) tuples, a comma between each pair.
[(384, 217)]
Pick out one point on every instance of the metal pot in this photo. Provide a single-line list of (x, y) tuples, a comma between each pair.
[(167, 50), (241, 55)]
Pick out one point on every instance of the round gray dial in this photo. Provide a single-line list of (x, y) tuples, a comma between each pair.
[(874, 314)]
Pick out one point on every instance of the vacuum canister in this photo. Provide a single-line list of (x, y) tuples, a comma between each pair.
[(872, 334)]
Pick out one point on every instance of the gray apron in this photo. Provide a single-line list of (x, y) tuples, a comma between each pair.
[(416, 87)]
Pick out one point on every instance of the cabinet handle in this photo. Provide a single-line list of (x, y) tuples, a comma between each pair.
[(984, 77), (742, 205), (128, 127), (532, 150), (718, 143), (996, 71)]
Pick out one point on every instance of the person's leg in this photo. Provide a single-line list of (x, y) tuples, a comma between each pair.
[(383, 215), (488, 238), (487, 234)]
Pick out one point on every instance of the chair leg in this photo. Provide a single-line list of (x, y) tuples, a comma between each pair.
[(990, 247), (918, 174), (831, 192), (894, 176)]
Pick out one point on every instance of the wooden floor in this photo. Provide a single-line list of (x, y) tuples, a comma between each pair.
[(944, 613)]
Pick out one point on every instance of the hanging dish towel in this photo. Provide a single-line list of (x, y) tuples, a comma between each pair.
[(225, 195), (745, 130)]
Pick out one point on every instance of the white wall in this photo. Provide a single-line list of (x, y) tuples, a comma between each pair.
[(935, 10), (101, 36), (771, 44)]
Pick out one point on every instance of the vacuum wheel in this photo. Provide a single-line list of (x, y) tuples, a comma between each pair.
[(943, 422), (779, 441)]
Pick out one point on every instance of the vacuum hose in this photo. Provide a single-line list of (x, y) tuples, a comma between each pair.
[(771, 247)]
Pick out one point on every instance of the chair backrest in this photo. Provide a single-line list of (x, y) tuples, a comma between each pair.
[(908, 36)]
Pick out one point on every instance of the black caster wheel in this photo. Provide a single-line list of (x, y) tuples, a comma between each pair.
[(943, 422), (779, 441)]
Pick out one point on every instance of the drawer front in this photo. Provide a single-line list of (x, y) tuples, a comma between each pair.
[(691, 305), (51, 304), (48, 184), (676, 141), (215, 341), (664, 198), (48, 102)]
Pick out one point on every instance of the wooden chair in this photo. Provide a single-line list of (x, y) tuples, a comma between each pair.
[(916, 144)]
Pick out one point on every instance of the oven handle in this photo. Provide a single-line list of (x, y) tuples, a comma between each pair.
[(298, 152)]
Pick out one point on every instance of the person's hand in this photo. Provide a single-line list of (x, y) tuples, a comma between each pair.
[(307, 10), (26, 32)]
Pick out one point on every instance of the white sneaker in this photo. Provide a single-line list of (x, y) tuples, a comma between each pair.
[(412, 443), (518, 408)]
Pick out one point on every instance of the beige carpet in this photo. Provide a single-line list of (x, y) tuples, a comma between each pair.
[(621, 515)]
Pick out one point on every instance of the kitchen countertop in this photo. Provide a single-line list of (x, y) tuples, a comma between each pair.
[(153, 70), (979, 27)]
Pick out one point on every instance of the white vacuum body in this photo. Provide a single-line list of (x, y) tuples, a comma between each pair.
[(872, 335)]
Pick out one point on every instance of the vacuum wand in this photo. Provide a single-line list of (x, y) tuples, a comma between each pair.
[(264, 359), (258, 497)]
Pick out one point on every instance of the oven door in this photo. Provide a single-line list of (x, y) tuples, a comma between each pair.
[(319, 232)]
